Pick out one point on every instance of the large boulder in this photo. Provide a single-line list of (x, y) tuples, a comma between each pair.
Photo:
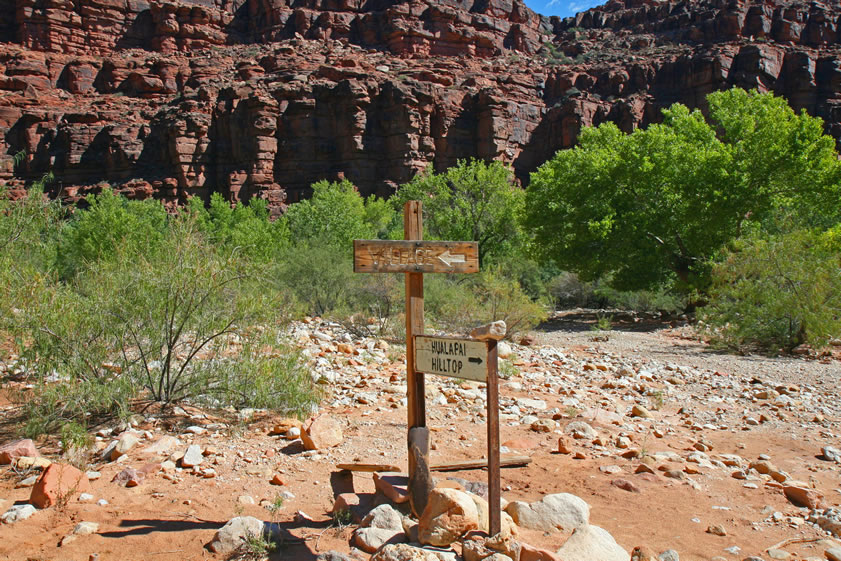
[(507, 525), (448, 515), (58, 483), (591, 543), (561, 511), (16, 449), (322, 432)]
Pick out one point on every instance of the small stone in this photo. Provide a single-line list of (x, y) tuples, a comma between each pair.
[(192, 457), (640, 411), (92, 475), (276, 480), (717, 530), (802, 496), (165, 445), (245, 500), (448, 515), (16, 449), (828, 452), (234, 533), (85, 528), (28, 482), (393, 485), (625, 485), (543, 425), (17, 513), (669, 555), (779, 554), (833, 554), (322, 432), (58, 481), (85, 497), (564, 445), (126, 442), (370, 540), (403, 552), (580, 430)]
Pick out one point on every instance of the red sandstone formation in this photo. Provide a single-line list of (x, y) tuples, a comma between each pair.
[(170, 99)]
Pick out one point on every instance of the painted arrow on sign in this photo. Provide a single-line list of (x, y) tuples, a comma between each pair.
[(448, 258)]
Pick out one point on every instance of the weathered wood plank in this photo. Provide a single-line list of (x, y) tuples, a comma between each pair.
[(509, 461), (415, 256)]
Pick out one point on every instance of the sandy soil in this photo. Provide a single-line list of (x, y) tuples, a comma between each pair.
[(163, 520)]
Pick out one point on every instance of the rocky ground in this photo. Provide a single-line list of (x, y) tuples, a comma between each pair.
[(639, 437)]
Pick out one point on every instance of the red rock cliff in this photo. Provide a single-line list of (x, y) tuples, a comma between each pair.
[(264, 97)]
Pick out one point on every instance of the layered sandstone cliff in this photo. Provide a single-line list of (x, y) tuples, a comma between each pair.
[(264, 97)]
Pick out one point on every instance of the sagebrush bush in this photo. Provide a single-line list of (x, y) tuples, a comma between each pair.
[(775, 292)]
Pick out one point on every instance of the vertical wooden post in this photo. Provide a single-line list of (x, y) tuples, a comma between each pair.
[(420, 480), (494, 490)]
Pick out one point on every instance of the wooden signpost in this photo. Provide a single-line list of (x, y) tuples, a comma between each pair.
[(474, 359)]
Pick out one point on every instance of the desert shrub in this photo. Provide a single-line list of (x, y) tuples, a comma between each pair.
[(170, 309), (320, 275), (246, 228), (110, 223), (462, 304), (775, 292), (265, 374)]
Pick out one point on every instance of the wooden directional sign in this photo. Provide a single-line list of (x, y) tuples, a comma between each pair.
[(456, 358), (415, 256)]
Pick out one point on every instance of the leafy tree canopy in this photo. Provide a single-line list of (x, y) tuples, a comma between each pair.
[(337, 214), (472, 201), (656, 204)]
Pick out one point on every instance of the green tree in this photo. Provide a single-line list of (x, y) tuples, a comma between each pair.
[(775, 292), (336, 215), (472, 201), (246, 228), (110, 222), (653, 206)]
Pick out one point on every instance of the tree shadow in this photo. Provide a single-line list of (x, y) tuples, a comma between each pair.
[(586, 320)]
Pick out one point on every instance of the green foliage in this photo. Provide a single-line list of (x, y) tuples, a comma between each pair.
[(244, 228), (603, 323), (319, 274), (336, 215), (472, 201), (181, 303), (653, 206), (265, 374), (462, 304), (111, 222), (776, 292)]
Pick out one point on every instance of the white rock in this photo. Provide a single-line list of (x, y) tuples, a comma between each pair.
[(384, 517), (591, 543), (192, 457), (17, 513), (85, 528), (230, 536), (559, 511)]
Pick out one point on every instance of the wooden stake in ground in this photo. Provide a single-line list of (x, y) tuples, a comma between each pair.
[(414, 257), (420, 480), (492, 333)]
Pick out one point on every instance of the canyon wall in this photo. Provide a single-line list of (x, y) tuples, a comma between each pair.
[(261, 98)]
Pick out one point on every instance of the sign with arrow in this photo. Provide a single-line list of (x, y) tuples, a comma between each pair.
[(415, 256), (456, 358)]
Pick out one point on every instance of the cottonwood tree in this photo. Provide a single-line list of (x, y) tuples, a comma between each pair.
[(655, 205)]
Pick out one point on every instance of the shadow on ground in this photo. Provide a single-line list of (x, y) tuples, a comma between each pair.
[(586, 320)]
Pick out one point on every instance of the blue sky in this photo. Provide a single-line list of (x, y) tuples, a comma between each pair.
[(562, 8)]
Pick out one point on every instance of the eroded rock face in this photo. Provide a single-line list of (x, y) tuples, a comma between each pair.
[(264, 97)]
